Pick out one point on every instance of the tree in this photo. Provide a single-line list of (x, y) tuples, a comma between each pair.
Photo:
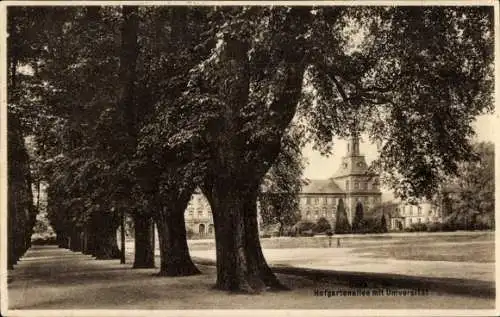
[(245, 95), (357, 223), (473, 196), (341, 220), (383, 224), (279, 196)]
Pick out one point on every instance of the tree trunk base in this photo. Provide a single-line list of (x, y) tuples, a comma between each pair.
[(179, 270), (144, 266)]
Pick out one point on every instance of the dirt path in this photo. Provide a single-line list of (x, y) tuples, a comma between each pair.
[(52, 278)]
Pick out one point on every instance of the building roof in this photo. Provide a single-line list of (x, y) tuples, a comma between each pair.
[(321, 186)]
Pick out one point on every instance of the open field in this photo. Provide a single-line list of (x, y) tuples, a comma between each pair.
[(454, 246), (480, 252)]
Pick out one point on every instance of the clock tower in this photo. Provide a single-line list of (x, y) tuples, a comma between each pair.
[(358, 183)]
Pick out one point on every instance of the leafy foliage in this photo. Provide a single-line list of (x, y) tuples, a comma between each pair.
[(473, 201)]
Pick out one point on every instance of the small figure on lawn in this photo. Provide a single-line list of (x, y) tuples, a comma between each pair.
[(329, 233)]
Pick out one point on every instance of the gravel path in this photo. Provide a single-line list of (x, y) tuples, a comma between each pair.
[(52, 278)]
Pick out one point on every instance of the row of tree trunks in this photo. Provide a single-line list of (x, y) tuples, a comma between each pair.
[(21, 212)]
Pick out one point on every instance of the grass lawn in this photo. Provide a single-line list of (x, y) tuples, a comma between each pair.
[(476, 247), (462, 252)]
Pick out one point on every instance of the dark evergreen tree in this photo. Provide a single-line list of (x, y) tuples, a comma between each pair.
[(341, 220), (357, 223), (383, 224)]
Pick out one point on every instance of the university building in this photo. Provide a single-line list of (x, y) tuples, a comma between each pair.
[(353, 183)]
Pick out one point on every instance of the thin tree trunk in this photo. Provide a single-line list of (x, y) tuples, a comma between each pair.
[(122, 236), (144, 242), (89, 242)]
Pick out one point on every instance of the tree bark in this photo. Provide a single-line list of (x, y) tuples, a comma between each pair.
[(241, 266), (89, 242), (144, 248), (122, 237), (76, 242), (174, 251), (106, 243)]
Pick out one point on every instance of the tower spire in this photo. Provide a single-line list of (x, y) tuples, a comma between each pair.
[(353, 145)]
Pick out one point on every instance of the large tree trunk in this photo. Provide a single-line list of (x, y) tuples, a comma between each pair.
[(76, 242), (240, 263), (174, 251), (144, 248), (106, 242)]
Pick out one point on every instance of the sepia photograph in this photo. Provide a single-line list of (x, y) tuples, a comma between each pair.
[(224, 158)]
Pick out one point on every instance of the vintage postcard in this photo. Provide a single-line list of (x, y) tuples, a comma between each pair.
[(240, 158)]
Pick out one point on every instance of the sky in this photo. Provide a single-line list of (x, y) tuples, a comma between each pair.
[(322, 167)]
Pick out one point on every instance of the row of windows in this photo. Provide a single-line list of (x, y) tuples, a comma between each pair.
[(411, 211), (418, 220), (323, 213), (199, 212), (334, 201), (361, 185)]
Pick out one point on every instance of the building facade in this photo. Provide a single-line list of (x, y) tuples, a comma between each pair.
[(353, 183), (404, 214), (198, 216)]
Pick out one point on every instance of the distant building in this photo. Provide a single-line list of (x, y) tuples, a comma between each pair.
[(403, 214), (352, 183), (198, 216)]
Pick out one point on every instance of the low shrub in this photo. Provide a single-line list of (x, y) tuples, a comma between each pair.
[(307, 233), (322, 225), (302, 226)]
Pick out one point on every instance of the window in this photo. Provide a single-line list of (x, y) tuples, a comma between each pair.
[(201, 228), (356, 185), (419, 220), (347, 185), (191, 212), (411, 210), (325, 200), (316, 200), (316, 213), (200, 212), (308, 200), (419, 211), (308, 213)]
